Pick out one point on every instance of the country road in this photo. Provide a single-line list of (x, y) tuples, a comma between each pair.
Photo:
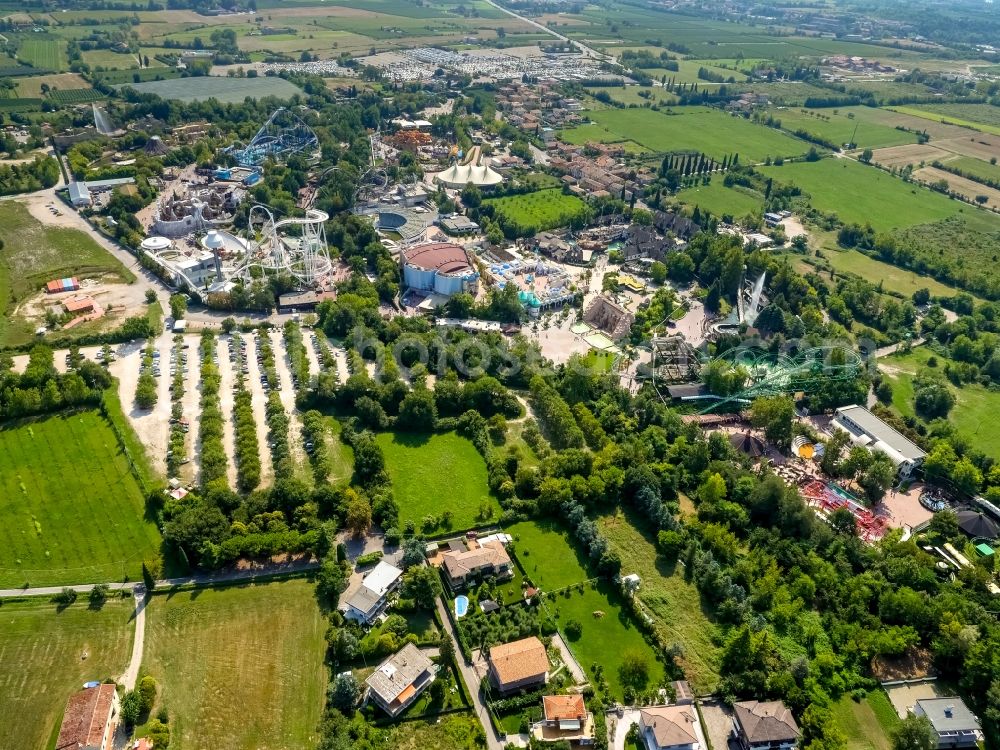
[(587, 51), (131, 675), (200, 579)]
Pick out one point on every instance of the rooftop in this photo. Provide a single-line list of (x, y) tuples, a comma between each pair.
[(766, 721), (382, 577), (562, 707), (86, 717), (444, 257), (398, 672), (461, 564), (671, 725), (519, 660), (880, 432), (949, 714)]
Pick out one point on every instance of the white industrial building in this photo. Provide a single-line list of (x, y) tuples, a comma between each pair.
[(864, 428)]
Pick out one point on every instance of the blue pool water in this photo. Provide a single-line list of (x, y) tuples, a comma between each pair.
[(461, 605)]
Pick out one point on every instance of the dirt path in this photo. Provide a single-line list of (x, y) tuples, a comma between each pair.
[(258, 400), (226, 382)]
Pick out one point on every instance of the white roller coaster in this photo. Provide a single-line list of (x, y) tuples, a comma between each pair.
[(296, 246)]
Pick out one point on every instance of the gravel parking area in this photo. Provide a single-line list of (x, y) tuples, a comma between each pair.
[(718, 722), (903, 697)]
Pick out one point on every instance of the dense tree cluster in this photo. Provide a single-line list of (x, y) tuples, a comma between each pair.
[(41, 389)]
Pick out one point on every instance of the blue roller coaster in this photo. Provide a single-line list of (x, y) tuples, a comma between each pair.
[(283, 135)]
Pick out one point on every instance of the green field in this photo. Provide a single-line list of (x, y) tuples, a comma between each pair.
[(71, 510), (226, 90), (631, 94), (451, 732), (542, 209), (33, 254), (866, 195), (867, 723), (241, 667), (553, 562), (673, 602), (688, 129), (976, 167), (44, 53), (974, 407), (838, 126), (976, 116), (720, 200), (47, 655), (106, 58), (434, 473)]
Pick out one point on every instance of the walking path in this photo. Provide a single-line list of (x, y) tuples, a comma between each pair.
[(471, 680), (199, 579), (132, 672)]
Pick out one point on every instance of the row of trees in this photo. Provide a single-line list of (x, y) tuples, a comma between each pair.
[(41, 389)]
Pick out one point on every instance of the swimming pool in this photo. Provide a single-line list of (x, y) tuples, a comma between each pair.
[(461, 605)]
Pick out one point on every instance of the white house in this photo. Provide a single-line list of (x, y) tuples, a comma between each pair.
[(369, 601)]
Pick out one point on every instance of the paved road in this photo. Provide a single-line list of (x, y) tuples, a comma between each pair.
[(885, 351), (131, 675), (201, 579), (471, 683), (587, 51)]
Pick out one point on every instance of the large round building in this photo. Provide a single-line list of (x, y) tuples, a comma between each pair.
[(439, 267)]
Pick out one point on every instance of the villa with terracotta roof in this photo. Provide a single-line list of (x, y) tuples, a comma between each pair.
[(519, 665), (484, 560), (671, 728), (764, 725), (89, 720), (565, 717), (400, 679)]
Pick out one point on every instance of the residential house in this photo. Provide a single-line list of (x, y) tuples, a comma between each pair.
[(954, 724), (764, 725), (565, 717), (400, 679), (485, 560), (369, 601), (670, 728), (89, 720), (519, 665)]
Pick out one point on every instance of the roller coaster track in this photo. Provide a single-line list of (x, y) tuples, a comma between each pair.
[(302, 253)]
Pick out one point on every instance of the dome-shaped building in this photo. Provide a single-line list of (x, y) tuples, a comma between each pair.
[(439, 267)]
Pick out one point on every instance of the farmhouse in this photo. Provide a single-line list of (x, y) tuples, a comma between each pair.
[(954, 724), (565, 717), (400, 679), (765, 725), (864, 428), (670, 728), (369, 601), (518, 665), (89, 720), (487, 559)]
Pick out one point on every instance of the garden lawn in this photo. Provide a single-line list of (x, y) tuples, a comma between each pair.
[(688, 129), (434, 473), (70, 509), (542, 209), (868, 723), (674, 603), (240, 668), (866, 195), (452, 732), (720, 200), (47, 655), (34, 254), (552, 561)]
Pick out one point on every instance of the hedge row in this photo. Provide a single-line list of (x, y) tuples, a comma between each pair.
[(245, 426), (213, 453), (314, 431), (178, 435)]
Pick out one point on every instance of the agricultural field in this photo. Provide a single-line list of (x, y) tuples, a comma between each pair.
[(35, 253), (432, 473), (982, 117), (963, 186), (75, 96), (634, 94), (687, 72), (868, 723), (542, 209), (552, 561), (31, 86), (71, 510), (839, 125), (673, 602), (977, 167), (688, 129), (47, 654), (720, 200), (974, 407), (43, 52), (239, 667), (861, 194), (224, 89), (105, 58)]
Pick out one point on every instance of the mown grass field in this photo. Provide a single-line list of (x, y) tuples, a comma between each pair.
[(70, 510), (544, 209), (434, 473), (106, 58), (838, 126), (937, 115), (974, 404), (33, 254), (46, 655), (866, 195), (866, 723), (976, 167), (553, 562), (674, 603), (631, 94), (720, 200), (31, 86), (240, 668), (44, 53), (688, 129)]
